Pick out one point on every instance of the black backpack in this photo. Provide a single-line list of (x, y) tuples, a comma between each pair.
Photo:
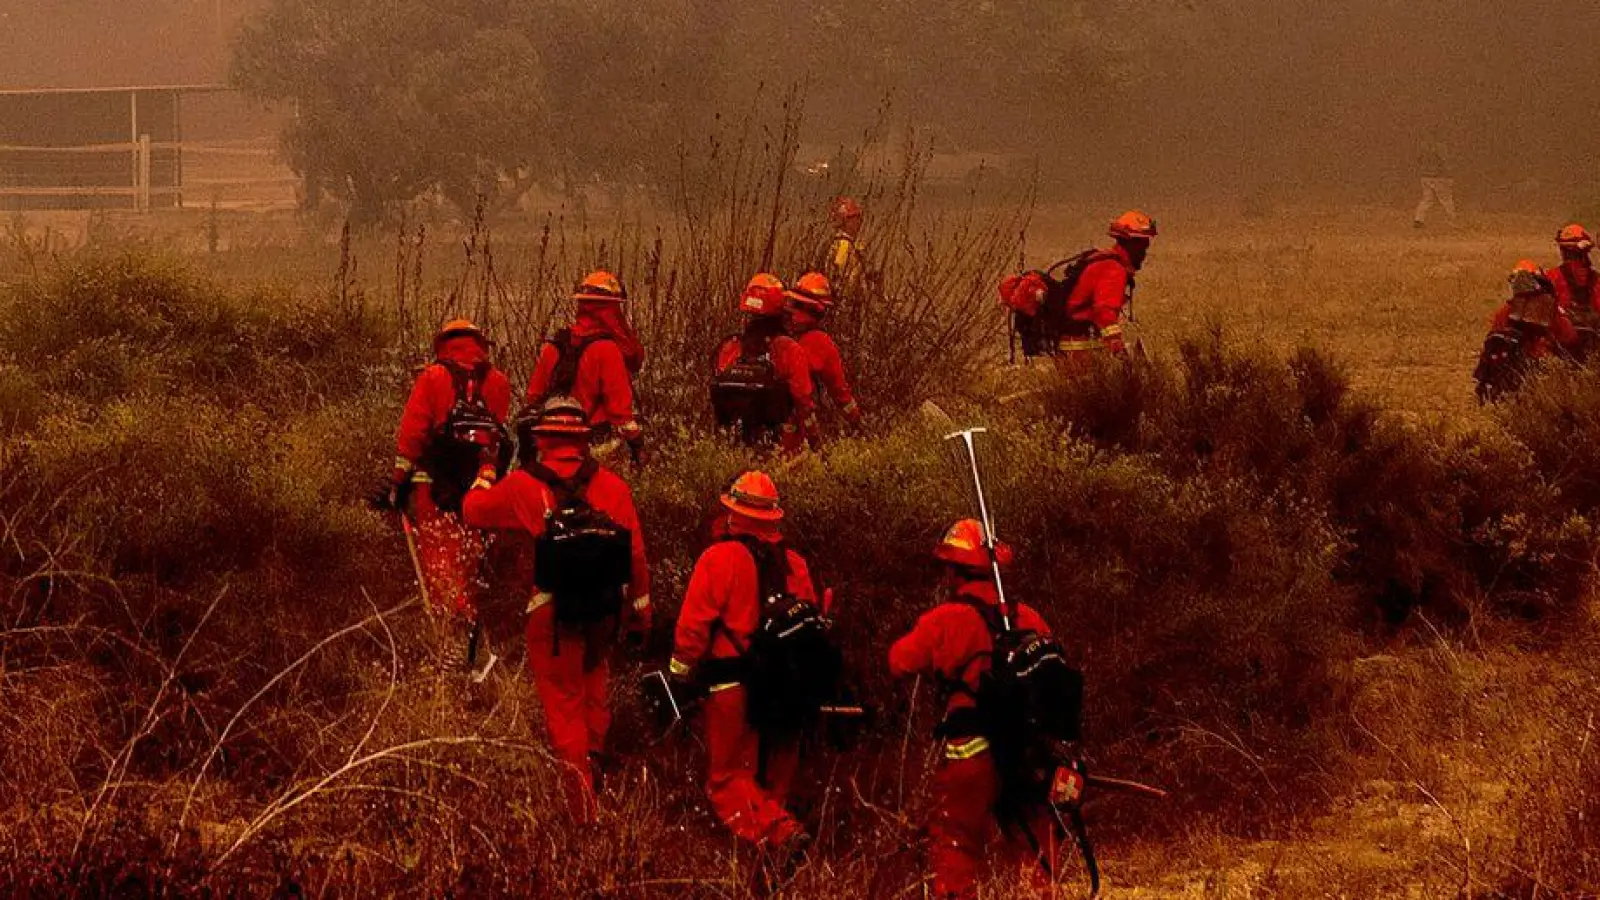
[(1502, 364), (791, 668), (1040, 333), (584, 558), (458, 444), (1030, 704), (570, 352), (749, 392)]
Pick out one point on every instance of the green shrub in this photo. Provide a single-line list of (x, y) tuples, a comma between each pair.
[(100, 328)]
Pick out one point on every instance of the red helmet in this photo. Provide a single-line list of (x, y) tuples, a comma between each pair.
[(459, 328), (600, 287), (763, 296), (845, 209), (1133, 225), (812, 292), (1575, 237), (963, 545), (754, 496)]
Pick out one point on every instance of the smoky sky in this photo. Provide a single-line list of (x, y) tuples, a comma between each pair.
[(1198, 96)]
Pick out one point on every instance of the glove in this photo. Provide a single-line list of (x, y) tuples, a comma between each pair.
[(852, 415), (636, 450), (681, 677), (400, 488), (639, 620)]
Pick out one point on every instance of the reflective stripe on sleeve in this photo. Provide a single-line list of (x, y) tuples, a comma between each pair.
[(966, 749), (641, 604), (539, 599), (678, 668)]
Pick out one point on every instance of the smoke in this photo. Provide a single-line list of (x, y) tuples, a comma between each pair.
[(1200, 98)]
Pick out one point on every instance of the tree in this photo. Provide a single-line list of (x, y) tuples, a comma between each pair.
[(396, 98)]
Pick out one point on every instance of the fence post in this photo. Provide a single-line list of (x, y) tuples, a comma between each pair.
[(143, 186)]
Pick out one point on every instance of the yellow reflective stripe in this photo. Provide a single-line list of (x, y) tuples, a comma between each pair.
[(965, 749), (1075, 344), (642, 604), (422, 478), (678, 668), (480, 483), (841, 254), (405, 465), (1111, 330), (719, 688), (539, 599)]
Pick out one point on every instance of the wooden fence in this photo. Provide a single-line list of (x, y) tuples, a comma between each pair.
[(145, 175)]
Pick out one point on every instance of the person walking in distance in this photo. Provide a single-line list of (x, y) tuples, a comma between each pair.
[(1100, 300), (1574, 284), (808, 301), (594, 361), (589, 578), (1438, 185), (761, 380)]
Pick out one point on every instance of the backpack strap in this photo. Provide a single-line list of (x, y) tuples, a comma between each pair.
[(772, 566), (467, 380), (996, 627), (569, 355), (566, 490)]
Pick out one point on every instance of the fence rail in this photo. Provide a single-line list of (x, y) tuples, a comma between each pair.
[(146, 174)]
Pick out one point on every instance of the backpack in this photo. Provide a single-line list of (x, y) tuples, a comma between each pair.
[(584, 558), (791, 668), (749, 392), (1502, 364), (457, 445), (1030, 704), (1040, 327), (570, 352)]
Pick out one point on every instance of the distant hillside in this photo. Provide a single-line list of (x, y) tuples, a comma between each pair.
[(106, 43)]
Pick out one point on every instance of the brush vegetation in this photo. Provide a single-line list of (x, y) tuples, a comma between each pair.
[(1290, 604)]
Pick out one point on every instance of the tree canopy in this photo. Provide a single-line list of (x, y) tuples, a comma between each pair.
[(397, 98)]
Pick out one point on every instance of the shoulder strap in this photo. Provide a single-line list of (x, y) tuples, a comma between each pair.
[(991, 615), (468, 382), (567, 490), (772, 566), (1082, 259)]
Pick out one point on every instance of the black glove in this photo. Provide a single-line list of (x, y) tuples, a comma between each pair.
[(394, 495)]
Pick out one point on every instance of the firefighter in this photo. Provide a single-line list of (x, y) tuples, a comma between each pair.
[(1438, 184), (952, 644), (844, 251), (1574, 284), (456, 411), (809, 300), (1102, 297), (588, 573), (762, 378), (594, 361), (1528, 327), (749, 773)]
